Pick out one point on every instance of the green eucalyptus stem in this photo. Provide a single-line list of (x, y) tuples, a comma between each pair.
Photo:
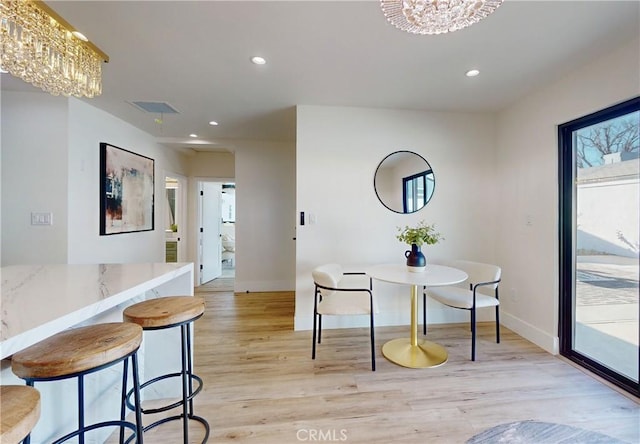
[(423, 233)]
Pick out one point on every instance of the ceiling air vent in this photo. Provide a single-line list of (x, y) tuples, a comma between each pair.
[(155, 107)]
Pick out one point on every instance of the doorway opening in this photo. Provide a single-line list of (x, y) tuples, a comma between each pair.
[(228, 230), (174, 222), (216, 233)]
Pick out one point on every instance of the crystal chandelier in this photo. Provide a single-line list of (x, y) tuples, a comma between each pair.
[(436, 16), (41, 48)]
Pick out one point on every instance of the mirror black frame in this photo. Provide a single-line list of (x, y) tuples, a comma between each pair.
[(409, 193)]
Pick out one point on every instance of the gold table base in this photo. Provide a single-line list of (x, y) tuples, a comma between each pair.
[(423, 355), (414, 352)]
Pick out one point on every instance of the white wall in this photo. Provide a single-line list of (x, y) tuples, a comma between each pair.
[(34, 177), (264, 173), (207, 166), (265, 216), (527, 166), (50, 163), (605, 224), (88, 126), (338, 151), (212, 164), (50, 150)]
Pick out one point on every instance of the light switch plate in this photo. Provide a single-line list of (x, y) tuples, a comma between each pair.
[(41, 218)]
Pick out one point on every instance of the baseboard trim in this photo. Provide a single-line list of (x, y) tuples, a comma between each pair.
[(263, 286), (531, 333), (436, 317)]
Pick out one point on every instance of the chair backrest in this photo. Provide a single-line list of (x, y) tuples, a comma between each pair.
[(479, 272), (328, 275)]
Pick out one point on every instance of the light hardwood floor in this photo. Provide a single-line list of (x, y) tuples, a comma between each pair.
[(261, 385)]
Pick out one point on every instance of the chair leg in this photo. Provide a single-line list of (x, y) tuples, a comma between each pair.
[(313, 340), (473, 335), (319, 328), (373, 347), (497, 324)]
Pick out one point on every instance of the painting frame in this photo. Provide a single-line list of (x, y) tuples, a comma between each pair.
[(127, 191)]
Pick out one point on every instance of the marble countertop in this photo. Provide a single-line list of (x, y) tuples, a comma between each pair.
[(40, 300)]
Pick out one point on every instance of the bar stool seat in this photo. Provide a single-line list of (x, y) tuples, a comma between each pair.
[(165, 312), (19, 412), (169, 312), (77, 350), (80, 351)]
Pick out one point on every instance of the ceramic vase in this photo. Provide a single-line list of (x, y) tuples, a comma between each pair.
[(416, 262)]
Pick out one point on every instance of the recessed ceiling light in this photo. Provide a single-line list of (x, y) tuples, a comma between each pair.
[(472, 73), (213, 123), (258, 60), (193, 135)]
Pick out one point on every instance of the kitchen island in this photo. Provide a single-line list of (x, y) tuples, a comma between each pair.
[(38, 301)]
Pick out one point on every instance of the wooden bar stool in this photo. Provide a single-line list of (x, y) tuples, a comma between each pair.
[(168, 312), (19, 412), (78, 352)]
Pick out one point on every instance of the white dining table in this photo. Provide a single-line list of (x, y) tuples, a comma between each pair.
[(413, 352)]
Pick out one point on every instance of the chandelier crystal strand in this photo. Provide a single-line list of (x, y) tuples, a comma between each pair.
[(436, 16), (38, 46)]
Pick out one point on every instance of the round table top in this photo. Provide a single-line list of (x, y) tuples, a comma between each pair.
[(433, 276)]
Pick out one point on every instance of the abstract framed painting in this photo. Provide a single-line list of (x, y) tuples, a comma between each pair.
[(126, 191)]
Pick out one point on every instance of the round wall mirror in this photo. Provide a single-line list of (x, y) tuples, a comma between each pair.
[(404, 182)]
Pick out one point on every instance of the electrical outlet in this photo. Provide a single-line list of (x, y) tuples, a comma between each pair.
[(514, 294)]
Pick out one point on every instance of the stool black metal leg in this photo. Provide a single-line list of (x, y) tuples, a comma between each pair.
[(185, 404), (190, 367), (185, 386), (123, 406), (27, 440), (136, 395), (81, 408)]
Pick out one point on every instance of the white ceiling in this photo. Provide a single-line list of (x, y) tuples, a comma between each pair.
[(195, 55)]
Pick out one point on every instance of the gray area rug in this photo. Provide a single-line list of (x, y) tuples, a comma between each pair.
[(535, 432)]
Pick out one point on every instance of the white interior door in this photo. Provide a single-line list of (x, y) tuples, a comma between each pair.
[(210, 221)]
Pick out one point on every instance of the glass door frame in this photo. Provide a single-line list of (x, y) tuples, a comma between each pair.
[(567, 234)]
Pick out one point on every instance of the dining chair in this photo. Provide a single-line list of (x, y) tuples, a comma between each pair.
[(483, 279), (336, 295)]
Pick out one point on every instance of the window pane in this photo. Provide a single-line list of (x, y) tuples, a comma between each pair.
[(606, 243)]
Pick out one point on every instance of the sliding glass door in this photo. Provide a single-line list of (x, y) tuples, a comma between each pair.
[(599, 232)]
